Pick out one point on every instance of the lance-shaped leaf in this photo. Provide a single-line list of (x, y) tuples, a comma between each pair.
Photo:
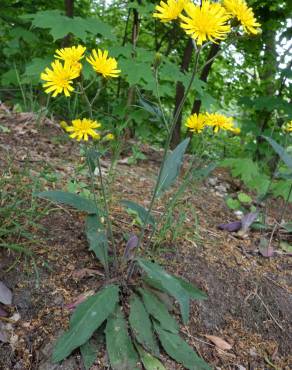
[(87, 317), (158, 310), (179, 350), (89, 354), (149, 362), (121, 352), (141, 211), (172, 166), (69, 199), (141, 325), (286, 158), (191, 289), (170, 284), (97, 238)]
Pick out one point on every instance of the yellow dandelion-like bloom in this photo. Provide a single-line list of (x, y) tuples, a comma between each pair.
[(206, 22), (71, 55), (244, 14), (83, 128), (196, 122), (59, 78), (102, 64), (288, 127), (219, 122), (170, 10)]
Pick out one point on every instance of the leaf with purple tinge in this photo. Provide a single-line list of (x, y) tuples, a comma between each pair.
[(247, 220), (265, 249), (3, 313), (131, 245), (5, 294), (231, 226)]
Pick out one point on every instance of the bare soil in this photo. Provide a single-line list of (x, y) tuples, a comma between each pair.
[(250, 300)]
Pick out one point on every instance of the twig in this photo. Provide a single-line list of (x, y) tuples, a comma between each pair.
[(269, 312)]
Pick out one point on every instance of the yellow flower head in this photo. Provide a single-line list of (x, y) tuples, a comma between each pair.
[(109, 137), (102, 64), (82, 128), (244, 14), (71, 55), (170, 10), (219, 122), (59, 78), (206, 22), (196, 122), (288, 127)]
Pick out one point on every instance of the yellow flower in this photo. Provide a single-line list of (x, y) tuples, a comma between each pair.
[(219, 122), (288, 127), (109, 137), (244, 14), (206, 22), (63, 125), (82, 128), (59, 78), (170, 10), (196, 123), (102, 64), (71, 55)]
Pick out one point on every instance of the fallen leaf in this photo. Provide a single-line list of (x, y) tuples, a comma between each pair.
[(5, 294), (79, 299), (219, 342), (80, 274), (265, 249), (231, 226)]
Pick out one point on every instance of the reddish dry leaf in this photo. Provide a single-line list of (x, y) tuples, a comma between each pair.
[(219, 342), (80, 274)]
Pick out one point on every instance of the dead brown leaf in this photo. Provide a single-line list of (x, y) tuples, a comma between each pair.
[(219, 342)]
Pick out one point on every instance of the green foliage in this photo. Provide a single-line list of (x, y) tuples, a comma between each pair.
[(88, 353), (286, 158), (60, 25), (69, 199), (179, 350), (97, 238), (121, 352), (148, 361), (172, 167), (141, 325), (140, 211), (87, 317)]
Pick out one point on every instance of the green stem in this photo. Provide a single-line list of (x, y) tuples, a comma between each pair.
[(167, 144), (92, 185)]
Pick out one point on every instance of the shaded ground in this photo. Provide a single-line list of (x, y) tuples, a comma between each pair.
[(250, 301)]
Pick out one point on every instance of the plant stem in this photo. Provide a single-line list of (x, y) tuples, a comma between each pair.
[(178, 112)]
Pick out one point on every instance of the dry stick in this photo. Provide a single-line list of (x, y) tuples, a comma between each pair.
[(132, 264), (269, 312)]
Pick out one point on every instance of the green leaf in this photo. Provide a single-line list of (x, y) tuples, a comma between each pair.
[(141, 325), (172, 166), (149, 362), (288, 227), (121, 352), (233, 203), (286, 158), (286, 247), (244, 198), (69, 199), (60, 25), (192, 291), (87, 317), (179, 350), (170, 284), (97, 238), (201, 173), (92, 156), (158, 310), (89, 354), (141, 211)]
